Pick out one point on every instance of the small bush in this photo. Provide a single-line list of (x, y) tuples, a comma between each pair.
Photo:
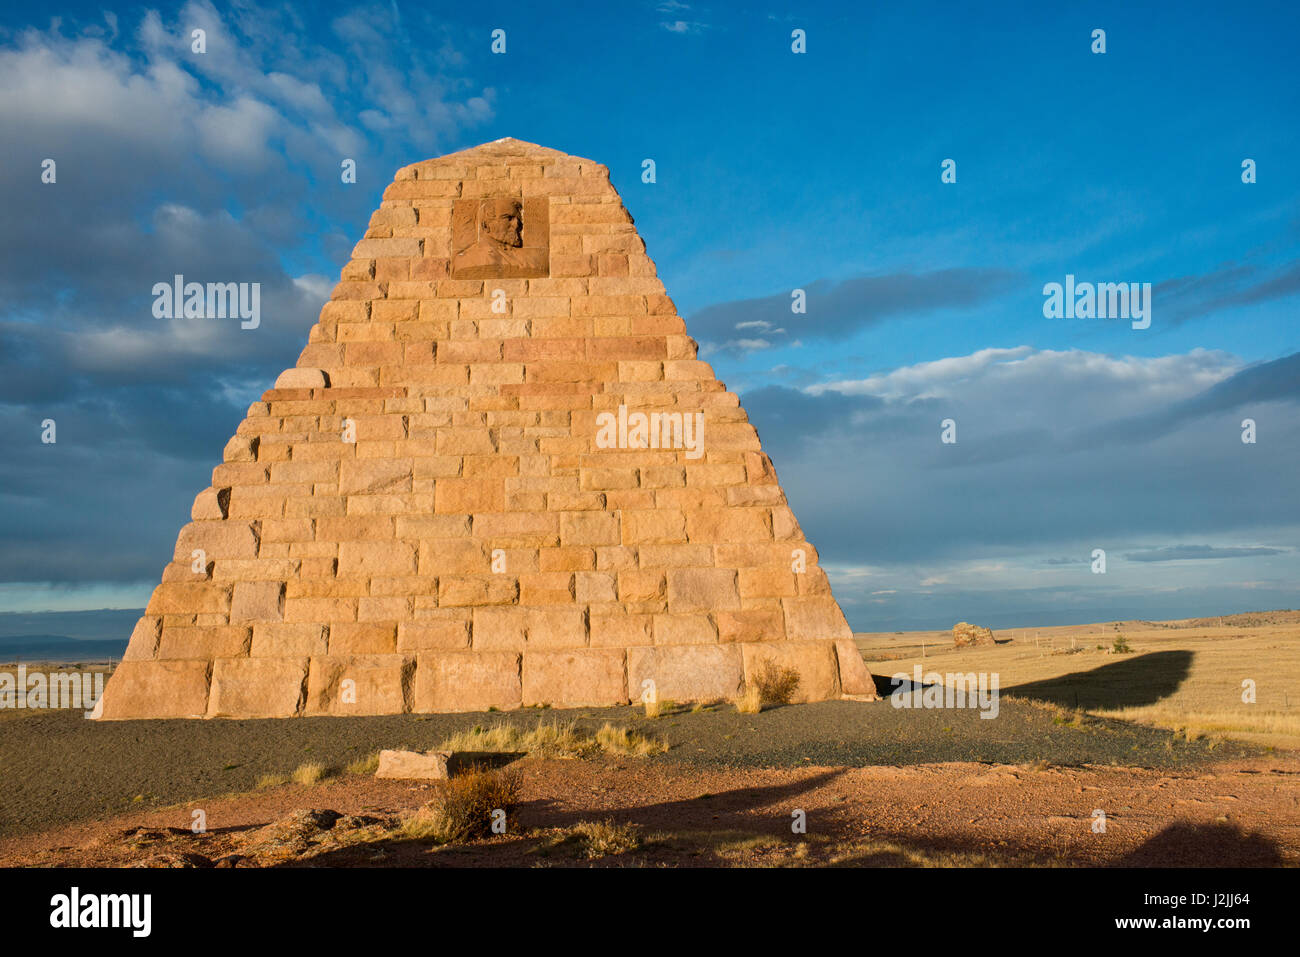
[(463, 810), (1120, 645), (776, 685), (596, 839)]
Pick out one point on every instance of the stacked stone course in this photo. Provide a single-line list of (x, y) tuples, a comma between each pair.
[(474, 547)]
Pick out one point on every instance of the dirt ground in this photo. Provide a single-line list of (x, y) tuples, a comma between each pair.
[(1234, 813), (60, 768), (1157, 742)]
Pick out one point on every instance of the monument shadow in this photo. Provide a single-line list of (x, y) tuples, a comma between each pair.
[(1132, 682)]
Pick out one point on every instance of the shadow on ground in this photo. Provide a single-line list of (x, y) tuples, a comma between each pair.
[(1132, 682), (708, 830), (61, 768), (1205, 845)]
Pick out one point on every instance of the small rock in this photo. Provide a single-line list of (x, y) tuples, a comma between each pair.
[(414, 765), (292, 832)]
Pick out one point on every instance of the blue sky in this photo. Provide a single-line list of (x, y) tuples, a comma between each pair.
[(774, 171)]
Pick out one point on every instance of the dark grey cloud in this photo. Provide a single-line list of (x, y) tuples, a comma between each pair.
[(1178, 553), (1252, 387), (1010, 609), (1044, 464), (791, 417), (837, 309), (1278, 380), (1233, 285)]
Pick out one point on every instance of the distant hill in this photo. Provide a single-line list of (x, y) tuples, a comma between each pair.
[(58, 648), (104, 624), (94, 635), (1248, 619)]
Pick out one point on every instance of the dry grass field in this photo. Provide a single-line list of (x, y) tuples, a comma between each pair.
[(1188, 675)]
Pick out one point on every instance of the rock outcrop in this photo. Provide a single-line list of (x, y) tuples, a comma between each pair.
[(965, 635)]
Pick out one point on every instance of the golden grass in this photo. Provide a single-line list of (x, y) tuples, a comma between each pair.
[(553, 739), (309, 774), (1200, 723), (658, 707), (747, 849), (422, 824), (614, 739), (1199, 689), (272, 780), (464, 807), (595, 839), (889, 854), (750, 700), (366, 765)]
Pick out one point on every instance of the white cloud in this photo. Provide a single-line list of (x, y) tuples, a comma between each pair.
[(1057, 453), (314, 285), (1092, 386)]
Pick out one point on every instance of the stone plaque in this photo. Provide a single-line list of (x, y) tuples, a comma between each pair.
[(500, 237)]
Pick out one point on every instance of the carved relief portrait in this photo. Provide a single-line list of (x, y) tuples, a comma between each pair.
[(500, 237)]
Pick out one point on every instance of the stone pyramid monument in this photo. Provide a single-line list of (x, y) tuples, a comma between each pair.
[(497, 477)]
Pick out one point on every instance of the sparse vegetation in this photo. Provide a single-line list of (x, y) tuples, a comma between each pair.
[(1120, 645), (658, 707), (1069, 719), (553, 739), (272, 780), (422, 824), (776, 684), (1243, 722), (747, 849), (750, 700), (464, 808), (309, 774), (366, 765), (615, 739), (595, 839)]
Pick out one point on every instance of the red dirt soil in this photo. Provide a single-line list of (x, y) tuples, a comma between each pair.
[(1238, 813)]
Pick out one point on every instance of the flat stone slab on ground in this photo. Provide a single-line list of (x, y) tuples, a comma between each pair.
[(414, 765)]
